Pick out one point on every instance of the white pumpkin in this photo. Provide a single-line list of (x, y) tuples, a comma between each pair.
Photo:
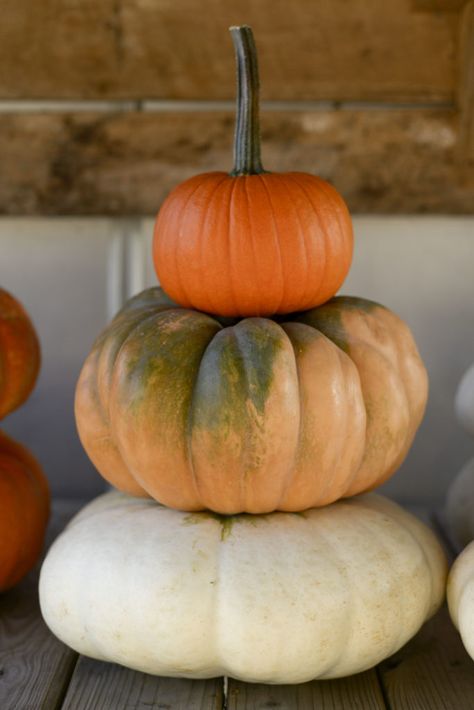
[(464, 401), (278, 598), (461, 596), (459, 510)]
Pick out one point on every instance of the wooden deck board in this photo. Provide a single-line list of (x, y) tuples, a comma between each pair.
[(100, 686), (359, 692), (34, 666)]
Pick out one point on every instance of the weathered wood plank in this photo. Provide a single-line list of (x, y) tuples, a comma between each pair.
[(34, 666), (465, 94), (439, 5), (359, 692), (97, 686), (331, 49), (398, 161)]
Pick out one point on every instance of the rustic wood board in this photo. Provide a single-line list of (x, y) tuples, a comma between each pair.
[(358, 50), (99, 686), (359, 692), (34, 666), (382, 161), (465, 84)]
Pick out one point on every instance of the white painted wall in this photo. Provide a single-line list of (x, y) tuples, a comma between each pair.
[(71, 274)]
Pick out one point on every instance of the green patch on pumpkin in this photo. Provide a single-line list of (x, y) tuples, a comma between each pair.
[(227, 522), (236, 375), (329, 318)]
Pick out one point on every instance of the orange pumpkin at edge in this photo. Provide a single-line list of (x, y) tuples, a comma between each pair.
[(19, 354), (252, 243), (24, 511)]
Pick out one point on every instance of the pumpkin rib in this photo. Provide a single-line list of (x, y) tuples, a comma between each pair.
[(316, 294), (277, 241), (190, 417), (207, 235), (178, 265), (248, 211), (395, 366), (303, 239), (391, 365), (293, 460), (327, 190), (342, 354), (230, 242)]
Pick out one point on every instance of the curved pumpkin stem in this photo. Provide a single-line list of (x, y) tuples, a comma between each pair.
[(247, 130)]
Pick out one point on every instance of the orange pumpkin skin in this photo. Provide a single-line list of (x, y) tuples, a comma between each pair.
[(250, 416), (24, 511), (252, 244), (19, 354)]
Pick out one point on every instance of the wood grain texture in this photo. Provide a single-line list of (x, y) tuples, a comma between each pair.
[(100, 686), (438, 5), (398, 161), (359, 692), (34, 666), (466, 85), (331, 49)]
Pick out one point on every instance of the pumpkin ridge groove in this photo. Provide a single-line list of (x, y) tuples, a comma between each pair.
[(293, 470), (277, 240), (188, 433), (309, 199), (205, 231), (230, 242), (419, 546), (338, 562), (302, 233), (342, 233), (252, 236), (102, 350), (180, 237)]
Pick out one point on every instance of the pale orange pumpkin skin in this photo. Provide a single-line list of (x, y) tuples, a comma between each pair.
[(24, 511), (19, 354), (250, 416), (252, 244)]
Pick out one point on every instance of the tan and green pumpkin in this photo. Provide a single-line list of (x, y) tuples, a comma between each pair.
[(253, 415)]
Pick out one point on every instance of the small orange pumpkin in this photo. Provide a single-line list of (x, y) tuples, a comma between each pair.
[(19, 354), (252, 242), (24, 511)]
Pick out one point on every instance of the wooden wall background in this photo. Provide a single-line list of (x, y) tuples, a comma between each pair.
[(105, 105)]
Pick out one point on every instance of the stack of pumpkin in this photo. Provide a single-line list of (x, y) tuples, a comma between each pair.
[(24, 492), (231, 419)]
